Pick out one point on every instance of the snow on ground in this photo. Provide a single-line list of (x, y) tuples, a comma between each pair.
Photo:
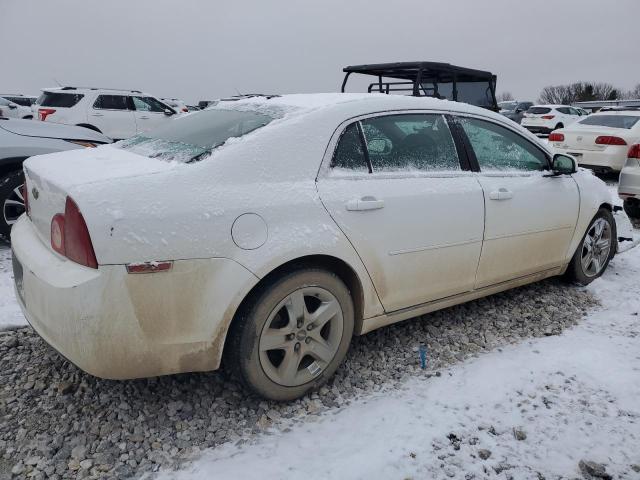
[(574, 396), (10, 313)]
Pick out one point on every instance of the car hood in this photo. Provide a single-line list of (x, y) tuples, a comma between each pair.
[(34, 128)]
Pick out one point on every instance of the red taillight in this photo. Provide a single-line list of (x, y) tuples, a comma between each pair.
[(610, 140), (70, 236), (185, 109), (57, 233), (634, 151), (43, 113), (556, 137), (548, 117)]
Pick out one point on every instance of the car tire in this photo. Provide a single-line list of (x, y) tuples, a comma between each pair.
[(587, 265), (632, 208), (291, 335), (10, 194)]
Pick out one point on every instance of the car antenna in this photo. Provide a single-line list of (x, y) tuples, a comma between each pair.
[(55, 80)]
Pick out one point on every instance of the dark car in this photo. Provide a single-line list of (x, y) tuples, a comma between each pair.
[(514, 110)]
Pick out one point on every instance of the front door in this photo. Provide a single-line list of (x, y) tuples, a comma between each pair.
[(112, 114), (396, 189), (150, 113), (530, 216)]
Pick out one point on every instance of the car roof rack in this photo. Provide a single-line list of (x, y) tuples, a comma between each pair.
[(100, 88), (244, 96), (414, 76)]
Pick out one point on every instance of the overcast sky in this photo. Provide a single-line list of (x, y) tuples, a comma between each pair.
[(197, 49)]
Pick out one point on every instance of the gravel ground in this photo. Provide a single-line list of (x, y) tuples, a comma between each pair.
[(58, 422)]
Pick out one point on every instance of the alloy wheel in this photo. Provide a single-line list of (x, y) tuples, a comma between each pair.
[(301, 336), (13, 206), (596, 248)]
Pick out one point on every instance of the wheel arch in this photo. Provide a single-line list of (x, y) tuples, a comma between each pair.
[(89, 126), (8, 165), (333, 264)]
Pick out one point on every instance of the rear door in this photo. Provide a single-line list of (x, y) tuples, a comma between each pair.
[(112, 114), (394, 184), (149, 112), (530, 216)]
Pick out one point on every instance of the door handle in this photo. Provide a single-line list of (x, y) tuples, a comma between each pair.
[(97, 114), (144, 117), (364, 203), (501, 194)]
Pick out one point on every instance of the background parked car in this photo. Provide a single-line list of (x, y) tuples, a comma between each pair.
[(514, 110), (20, 139), (629, 183), (178, 105), (9, 109), (600, 141), (547, 118), (116, 113)]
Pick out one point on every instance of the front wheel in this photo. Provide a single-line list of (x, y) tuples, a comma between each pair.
[(292, 335), (11, 201), (596, 249)]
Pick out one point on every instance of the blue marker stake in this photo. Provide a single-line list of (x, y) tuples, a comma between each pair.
[(423, 356)]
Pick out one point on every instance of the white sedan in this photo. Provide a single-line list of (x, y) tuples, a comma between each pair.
[(600, 141), (266, 232)]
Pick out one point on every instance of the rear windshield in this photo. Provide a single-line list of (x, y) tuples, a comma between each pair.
[(193, 137), (508, 106), (61, 100), (613, 121), (24, 101), (538, 110)]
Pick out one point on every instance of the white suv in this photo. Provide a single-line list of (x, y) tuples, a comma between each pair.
[(547, 118), (116, 113)]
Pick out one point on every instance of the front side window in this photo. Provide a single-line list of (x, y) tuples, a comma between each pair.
[(111, 102), (500, 149), (410, 142), (148, 104)]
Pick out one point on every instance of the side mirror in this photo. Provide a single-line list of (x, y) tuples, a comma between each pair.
[(13, 106), (168, 112), (563, 164)]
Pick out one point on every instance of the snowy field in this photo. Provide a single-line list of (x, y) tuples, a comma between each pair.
[(534, 410)]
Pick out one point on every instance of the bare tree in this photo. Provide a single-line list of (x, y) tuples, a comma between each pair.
[(579, 92), (504, 97), (634, 93)]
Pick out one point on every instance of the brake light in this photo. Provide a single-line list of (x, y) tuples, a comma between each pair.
[(548, 117), (634, 151), (70, 236), (556, 137), (610, 140), (43, 113)]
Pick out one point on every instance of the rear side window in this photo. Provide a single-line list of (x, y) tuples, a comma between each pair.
[(349, 153), (565, 110), (539, 110), (60, 100), (410, 142), (613, 121), (499, 149), (24, 101), (111, 102)]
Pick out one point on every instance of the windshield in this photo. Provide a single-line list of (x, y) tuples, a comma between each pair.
[(508, 106), (192, 137), (613, 121)]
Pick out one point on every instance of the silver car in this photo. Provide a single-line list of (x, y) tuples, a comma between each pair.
[(20, 139)]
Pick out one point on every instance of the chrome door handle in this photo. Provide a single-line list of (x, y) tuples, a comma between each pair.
[(144, 117), (97, 114), (501, 194), (364, 203)]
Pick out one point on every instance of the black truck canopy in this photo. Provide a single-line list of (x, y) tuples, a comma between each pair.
[(431, 79)]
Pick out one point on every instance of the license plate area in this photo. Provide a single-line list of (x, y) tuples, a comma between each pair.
[(18, 277)]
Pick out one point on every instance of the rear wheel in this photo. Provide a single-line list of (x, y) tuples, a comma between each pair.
[(292, 335), (11, 200), (596, 249)]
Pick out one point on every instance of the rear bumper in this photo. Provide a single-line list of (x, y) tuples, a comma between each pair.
[(629, 182), (599, 161), (116, 325), (539, 129)]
